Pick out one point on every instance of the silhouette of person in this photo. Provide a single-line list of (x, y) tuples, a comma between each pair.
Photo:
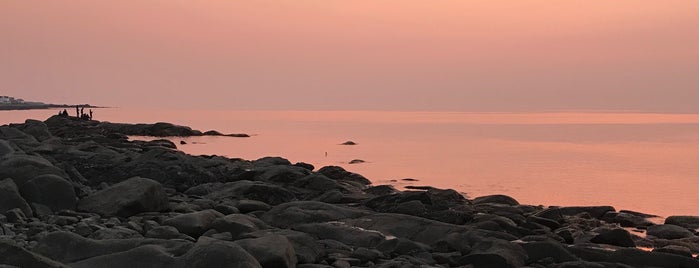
[(82, 111), (64, 113), (90, 114), (77, 111)]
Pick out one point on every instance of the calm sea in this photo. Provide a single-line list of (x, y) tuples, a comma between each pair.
[(636, 161)]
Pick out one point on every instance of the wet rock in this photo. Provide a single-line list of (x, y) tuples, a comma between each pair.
[(690, 222), (196, 223), (15, 255), (498, 199), (356, 161), (616, 237), (627, 219), (305, 165), (270, 161), (51, 191), (669, 231), (10, 198), (348, 143), (281, 173), (270, 251), (127, 198), (381, 190)]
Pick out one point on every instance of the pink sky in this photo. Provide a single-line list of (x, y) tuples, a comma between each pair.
[(312, 54)]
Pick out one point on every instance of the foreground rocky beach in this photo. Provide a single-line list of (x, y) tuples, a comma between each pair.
[(79, 193)]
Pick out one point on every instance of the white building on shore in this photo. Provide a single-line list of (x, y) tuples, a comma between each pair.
[(10, 100)]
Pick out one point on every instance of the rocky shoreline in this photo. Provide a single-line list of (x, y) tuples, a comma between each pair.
[(79, 193)]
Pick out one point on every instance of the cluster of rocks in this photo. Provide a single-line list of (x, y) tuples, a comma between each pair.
[(80, 194)]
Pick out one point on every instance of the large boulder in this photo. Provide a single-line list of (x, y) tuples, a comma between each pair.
[(497, 199), (194, 224), (270, 251), (51, 191), (10, 198), (281, 173), (35, 128), (209, 252), (669, 231), (641, 258), (127, 198), (539, 250), (21, 168), (6, 148), (691, 222), (13, 254)]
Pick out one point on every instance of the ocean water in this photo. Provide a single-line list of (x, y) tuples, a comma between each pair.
[(635, 161)]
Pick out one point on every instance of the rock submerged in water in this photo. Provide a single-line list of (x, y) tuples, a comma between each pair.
[(92, 198), (348, 143)]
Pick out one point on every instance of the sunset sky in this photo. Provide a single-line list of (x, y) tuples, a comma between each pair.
[(352, 55)]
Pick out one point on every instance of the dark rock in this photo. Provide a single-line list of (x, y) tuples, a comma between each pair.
[(10, 198), (317, 182), (183, 142), (545, 222), (51, 191), (669, 231), (498, 199), (270, 161), (547, 249), (365, 254), (35, 128), (404, 226), (246, 206), (301, 212), (261, 191), (238, 225), (381, 190), (495, 253), (115, 233), (690, 222), (348, 143), (22, 168), (209, 252), (127, 198), (151, 256), (340, 174), (167, 232), (640, 258), (6, 148), (344, 233), (356, 161), (162, 143), (557, 213), (673, 249), (13, 254), (305, 165), (194, 224), (270, 251), (401, 246), (281, 173), (68, 247), (616, 237), (627, 219)]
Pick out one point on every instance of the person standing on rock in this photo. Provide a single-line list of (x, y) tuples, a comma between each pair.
[(90, 114), (77, 111)]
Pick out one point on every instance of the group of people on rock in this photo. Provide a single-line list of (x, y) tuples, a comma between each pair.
[(79, 113)]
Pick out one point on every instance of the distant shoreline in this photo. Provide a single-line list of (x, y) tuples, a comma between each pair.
[(11, 107)]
